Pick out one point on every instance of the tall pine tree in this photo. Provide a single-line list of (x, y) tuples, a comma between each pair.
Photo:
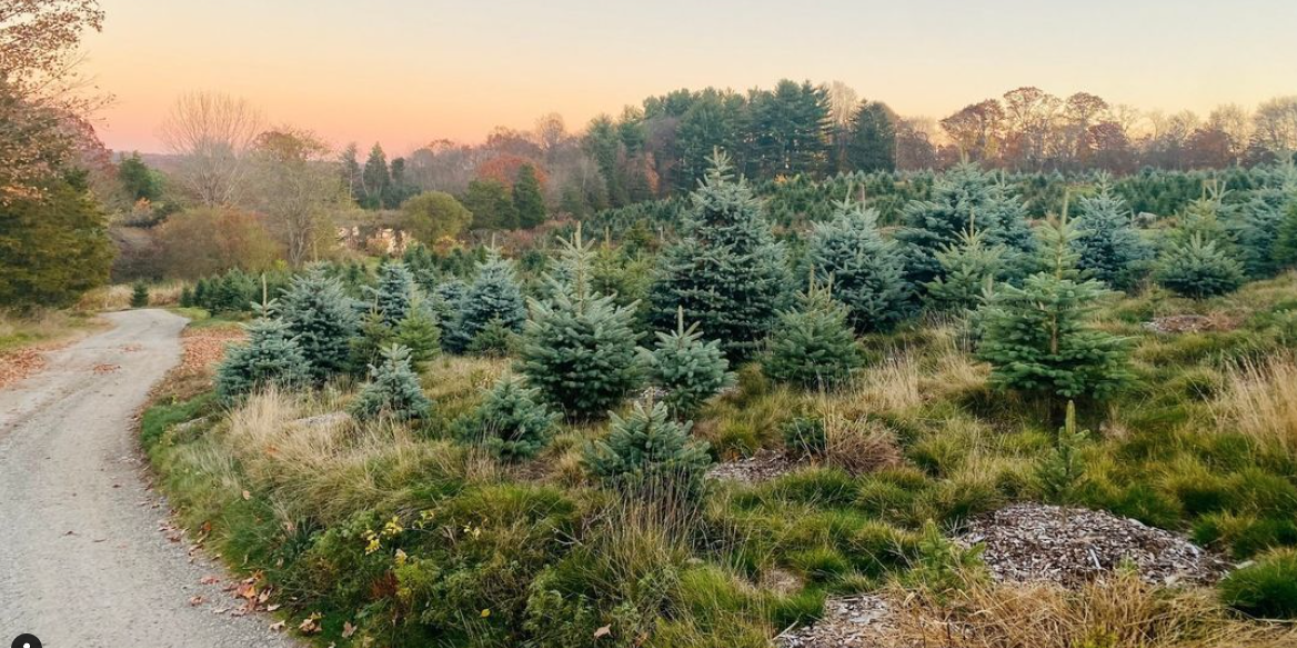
[(527, 198), (728, 272)]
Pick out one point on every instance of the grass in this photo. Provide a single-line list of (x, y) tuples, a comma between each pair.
[(19, 331), (418, 539)]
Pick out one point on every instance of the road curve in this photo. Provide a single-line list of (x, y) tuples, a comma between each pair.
[(82, 562)]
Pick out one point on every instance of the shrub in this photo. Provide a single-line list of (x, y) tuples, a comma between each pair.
[(805, 436), (213, 240), (511, 420), (393, 391), (1199, 269), (813, 345), (687, 368), (1266, 588), (55, 246), (433, 215), (140, 295), (649, 451), (270, 358), (320, 316)]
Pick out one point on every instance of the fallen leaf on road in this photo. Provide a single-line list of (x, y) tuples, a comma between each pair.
[(277, 626), (311, 624), (196, 601), (209, 580)]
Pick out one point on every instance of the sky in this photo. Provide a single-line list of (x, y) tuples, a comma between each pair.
[(407, 72)]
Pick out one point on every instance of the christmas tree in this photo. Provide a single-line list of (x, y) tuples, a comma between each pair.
[(322, 319), (511, 421), (579, 348), (647, 452), (728, 273), (419, 333), (140, 295), (1107, 245), (393, 391), (1037, 337), (812, 345), (494, 295), (866, 270), (689, 369), (1196, 268), (394, 292), (968, 273), (271, 357), (960, 197)]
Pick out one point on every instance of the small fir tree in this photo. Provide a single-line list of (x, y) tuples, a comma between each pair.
[(1285, 245), (1256, 225), (394, 293), (649, 452), (186, 297), (512, 421), (140, 295), (234, 292), (270, 357), (323, 320), (865, 269), (728, 272), (393, 391), (579, 348), (419, 333), (968, 273), (812, 345), (959, 198), (1037, 337), (1107, 245), (495, 340), (689, 369), (366, 348), (494, 295), (1198, 269)]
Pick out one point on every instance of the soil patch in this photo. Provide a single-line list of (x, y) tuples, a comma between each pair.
[(763, 466), (1192, 323)]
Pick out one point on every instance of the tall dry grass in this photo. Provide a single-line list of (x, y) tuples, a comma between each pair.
[(118, 297), (1122, 611), (1260, 401)]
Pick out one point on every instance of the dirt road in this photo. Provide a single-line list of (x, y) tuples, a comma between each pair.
[(82, 563)]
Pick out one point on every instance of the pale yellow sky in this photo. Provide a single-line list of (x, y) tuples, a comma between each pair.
[(405, 72)]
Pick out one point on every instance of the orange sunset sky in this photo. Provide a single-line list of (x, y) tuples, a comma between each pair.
[(405, 72)]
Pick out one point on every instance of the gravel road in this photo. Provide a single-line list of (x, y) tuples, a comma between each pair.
[(82, 561)]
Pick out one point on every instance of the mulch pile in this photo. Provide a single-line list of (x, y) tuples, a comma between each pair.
[(855, 622), (764, 466), (1191, 324), (1069, 546)]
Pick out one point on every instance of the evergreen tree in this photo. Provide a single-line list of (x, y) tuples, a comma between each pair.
[(649, 453), (376, 179), (234, 292), (579, 348), (527, 198), (865, 270), (491, 204), (322, 319), (271, 357), (1037, 337), (366, 348), (1256, 225), (689, 369), (419, 333), (511, 421), (968, 272), (139, 182), (1285, 245), (54, 247), (140, 295), (961, 197), (1107, 245), (393, 391), (186, 297), (872, 145), (728, 273), (1199, 269), (812, 345), (394, 293), (494, 295)]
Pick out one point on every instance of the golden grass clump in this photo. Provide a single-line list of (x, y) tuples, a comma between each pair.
[(1108, 613), (1260, 401)]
